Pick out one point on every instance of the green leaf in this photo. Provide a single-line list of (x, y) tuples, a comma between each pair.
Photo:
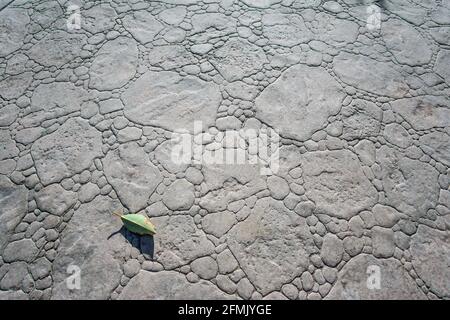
[(138, 224)]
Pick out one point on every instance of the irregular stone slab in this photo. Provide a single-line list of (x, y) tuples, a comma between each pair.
[(205, 267), (237, 59), (361, 119), (415, 13), (8, 115), (437, 145), (58, 48), (275, 296), (332, 250), (225, 183), (16, 64), (181, 2), (395, 282), (385, 216), (358, 10), (21, 250), (442, 63), (194, 175), (179, 195), (46, 13), (411, 186), (299, 115), (99, 18), (405, 43), (13, 295), (441, 12), (397, 135), (335, 31), (226, 284), (54, 199), (156, 96), (285, 29), (8, 148), (278, 187), (430, 250), (13, 275), (110, 105), (114, 65), (271, 241), (424, 112), (174, 35), (29, 135), (262, 4), (14, 204), (218, 223), (290, 158), (245, 289), (32, 120), (227, 262), (179, 241), (441, 35), (88, 192), (14, 86), (241, 90), (129, 134), (332, 6), (366, 152), (91, 243), (132, 175), (13, 29), (7, 167), (173, 16), (336, 183), (228, 123), (301, 4), (370, 75), (218, 21), (169, 285), (383, 244), (57, 98), (142, 25), (163, 153), (170, 57), (69, 150)]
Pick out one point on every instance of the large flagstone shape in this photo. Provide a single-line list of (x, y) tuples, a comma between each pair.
[(272, 245), (67, 151), (395, 282), (13, 29), (336, 183), (300, 101), (91, 243), (132, 175), (165, 99)]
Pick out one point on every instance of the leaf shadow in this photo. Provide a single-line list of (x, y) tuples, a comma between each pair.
[(145, 244)]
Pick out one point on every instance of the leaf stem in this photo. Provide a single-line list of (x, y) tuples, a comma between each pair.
[(117, 213)]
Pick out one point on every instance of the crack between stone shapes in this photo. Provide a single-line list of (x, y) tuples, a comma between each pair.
[(418, 277), (6, 5)]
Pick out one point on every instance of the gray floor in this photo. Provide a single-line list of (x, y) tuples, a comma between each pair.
[(350, 202)]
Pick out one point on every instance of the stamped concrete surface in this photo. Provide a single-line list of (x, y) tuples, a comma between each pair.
[(358, 90)]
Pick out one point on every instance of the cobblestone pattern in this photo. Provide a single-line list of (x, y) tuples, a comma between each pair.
[(86, 118)]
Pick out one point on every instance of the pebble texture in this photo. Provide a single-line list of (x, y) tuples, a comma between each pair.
[(363, 115)]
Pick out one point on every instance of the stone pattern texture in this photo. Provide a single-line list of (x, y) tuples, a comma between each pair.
[(363, 115)]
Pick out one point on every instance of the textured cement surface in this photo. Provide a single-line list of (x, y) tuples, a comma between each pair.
[(358, 208)]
